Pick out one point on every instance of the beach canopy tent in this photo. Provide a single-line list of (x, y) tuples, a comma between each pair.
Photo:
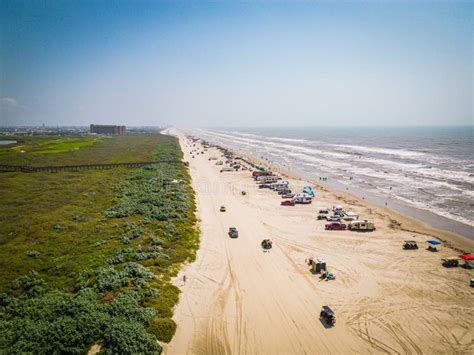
[(434, 242), (466, 257)]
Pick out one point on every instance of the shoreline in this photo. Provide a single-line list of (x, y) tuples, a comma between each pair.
[(437, 218), (461, 242)]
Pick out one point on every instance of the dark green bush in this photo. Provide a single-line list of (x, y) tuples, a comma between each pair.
[(129, 338), (162, 328)]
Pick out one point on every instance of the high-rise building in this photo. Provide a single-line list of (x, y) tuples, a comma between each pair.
[(108, 129)]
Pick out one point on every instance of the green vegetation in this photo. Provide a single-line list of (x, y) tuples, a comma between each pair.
[(104, 246), (47, 145)]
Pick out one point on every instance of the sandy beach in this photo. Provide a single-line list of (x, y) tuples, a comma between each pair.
[(238, 299)]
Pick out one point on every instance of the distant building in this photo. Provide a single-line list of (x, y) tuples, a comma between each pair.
[(106, 129)]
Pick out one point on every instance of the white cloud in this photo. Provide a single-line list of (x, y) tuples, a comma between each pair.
[(9, 103)]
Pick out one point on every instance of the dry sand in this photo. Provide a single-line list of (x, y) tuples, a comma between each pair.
[(238, 299)]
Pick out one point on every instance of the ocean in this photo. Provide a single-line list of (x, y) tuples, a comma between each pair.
[(430, 169)]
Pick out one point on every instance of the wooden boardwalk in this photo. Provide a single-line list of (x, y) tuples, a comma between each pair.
[(53, 168)]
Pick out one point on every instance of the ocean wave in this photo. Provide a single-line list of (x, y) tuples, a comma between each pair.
[(418, 169), (280, 139), (434, 209), (387, 151)]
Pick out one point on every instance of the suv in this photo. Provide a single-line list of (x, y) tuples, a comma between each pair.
[(233, 233)]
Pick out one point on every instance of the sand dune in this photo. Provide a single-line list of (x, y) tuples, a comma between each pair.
[(238, 299)]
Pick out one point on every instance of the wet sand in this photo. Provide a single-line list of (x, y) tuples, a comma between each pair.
[(239, 299)]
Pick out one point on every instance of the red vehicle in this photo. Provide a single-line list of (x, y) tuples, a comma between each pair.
[(287, 203), (335, 226)]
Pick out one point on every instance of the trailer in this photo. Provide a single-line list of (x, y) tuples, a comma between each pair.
[(258, 173), (267, 179), (302, 199), (361, 225)]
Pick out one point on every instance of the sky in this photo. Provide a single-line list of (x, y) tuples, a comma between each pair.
[(237, 64)]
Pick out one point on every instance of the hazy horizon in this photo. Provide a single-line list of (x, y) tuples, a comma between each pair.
[(228, 64)]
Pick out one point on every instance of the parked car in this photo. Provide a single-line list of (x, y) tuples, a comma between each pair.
[(335, 226), (450, 262), (266, 244), (328, 316), (333, 218), (233, 233), (222, 209), (284, 192), (323, 211), (289, 195), (287, 203), (410, 245)]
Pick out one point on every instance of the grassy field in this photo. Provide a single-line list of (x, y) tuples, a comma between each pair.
[(67, 225)]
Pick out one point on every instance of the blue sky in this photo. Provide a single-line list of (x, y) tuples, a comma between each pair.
[(256, 63)]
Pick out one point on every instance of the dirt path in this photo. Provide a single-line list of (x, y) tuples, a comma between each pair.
[(239, 299)]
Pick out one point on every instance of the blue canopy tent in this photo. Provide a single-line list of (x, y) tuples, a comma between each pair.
[(434, 242)]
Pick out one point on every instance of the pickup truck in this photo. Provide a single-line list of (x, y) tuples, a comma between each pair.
[(335, 226)]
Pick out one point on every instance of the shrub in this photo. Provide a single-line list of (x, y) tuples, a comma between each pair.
[(129, 338), (57, 322), (162, 328), (29, 284)]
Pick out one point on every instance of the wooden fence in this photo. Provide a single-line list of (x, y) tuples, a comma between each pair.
[(52, 168)]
